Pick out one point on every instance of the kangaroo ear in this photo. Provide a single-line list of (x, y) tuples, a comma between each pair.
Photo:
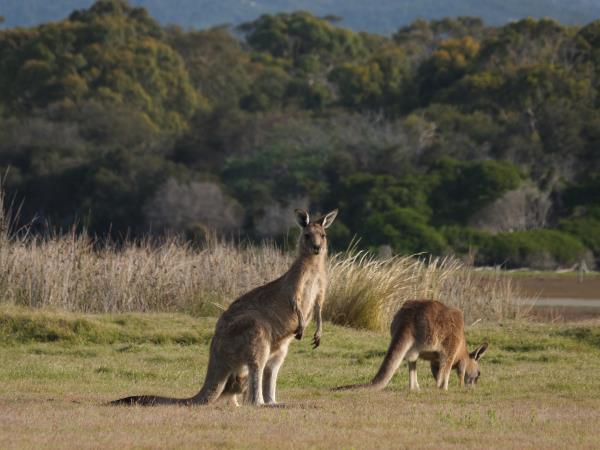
[(479, 351), (328, 219), (302, 217)]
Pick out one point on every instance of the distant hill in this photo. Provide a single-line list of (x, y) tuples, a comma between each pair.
[(382, 16)]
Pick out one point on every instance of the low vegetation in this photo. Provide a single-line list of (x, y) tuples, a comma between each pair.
[(75, 273), (538, 388), (365, 292), (69, 273)]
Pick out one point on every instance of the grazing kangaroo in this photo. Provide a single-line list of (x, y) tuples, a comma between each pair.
[(252, 336), (429, 330)]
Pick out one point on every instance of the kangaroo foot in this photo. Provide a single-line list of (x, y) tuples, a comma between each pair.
[(316, 340)]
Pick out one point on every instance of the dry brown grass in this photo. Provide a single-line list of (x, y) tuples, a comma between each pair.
[(366, 291), (74, 273), (68, 272)]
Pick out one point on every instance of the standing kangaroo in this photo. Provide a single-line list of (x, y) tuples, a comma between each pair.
[(252, 336), (429, 330)]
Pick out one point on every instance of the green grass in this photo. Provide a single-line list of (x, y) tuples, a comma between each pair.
[(539, 388)]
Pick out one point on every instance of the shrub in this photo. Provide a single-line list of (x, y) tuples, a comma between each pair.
[(405, 230), (464, 240), (538, 249), (459, 188), (366, 292), (177, 207), (585, 229)]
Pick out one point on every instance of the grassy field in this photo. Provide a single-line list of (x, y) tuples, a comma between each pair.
[(539, 388)]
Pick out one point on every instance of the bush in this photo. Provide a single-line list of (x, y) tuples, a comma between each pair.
[(405, 230), (194, 206), (366, 291), (464, 240), (459, 189), (537, 249), (585, 229)]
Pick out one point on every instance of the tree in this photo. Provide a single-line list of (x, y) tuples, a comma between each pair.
[(111, 53), (405, 230), (219, 68), (459, 189), (300, 36), (180, 207), (452, 60), (421, 38), (377, 84)]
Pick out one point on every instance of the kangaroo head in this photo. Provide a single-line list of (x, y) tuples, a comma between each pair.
[(472, 371), (313, 239)]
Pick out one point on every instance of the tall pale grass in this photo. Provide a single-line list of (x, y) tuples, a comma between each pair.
[(366, 291), (70, 272), (74, 273)]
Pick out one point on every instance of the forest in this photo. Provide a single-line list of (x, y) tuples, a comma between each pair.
[(447, 137)]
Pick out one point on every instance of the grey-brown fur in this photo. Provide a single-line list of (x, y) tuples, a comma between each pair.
[(429, 330), (252, 336)]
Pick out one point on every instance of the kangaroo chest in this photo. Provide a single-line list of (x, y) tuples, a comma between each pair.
[(311, 287)]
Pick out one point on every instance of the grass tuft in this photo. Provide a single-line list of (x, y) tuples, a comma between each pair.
[(365, 292)]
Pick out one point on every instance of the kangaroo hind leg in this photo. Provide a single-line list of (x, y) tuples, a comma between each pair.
[(445, 368), (258, 356), (270, 375), (255, 378), (413, 383)]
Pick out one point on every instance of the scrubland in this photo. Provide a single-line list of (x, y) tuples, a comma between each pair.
[(84, 321), (73, 272)]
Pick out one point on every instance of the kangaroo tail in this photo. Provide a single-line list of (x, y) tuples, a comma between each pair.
[(349, 387), (214, 385), (393, 358), (151, 400), (209, 393)]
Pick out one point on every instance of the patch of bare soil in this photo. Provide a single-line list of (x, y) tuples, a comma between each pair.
[(557, 286)]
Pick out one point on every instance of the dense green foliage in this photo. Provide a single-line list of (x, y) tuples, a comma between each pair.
[(448, 136), (535, 248), (109, 53), (383, 17)]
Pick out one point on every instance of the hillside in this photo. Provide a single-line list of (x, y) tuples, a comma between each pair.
[(449, 137), (383, 17)]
